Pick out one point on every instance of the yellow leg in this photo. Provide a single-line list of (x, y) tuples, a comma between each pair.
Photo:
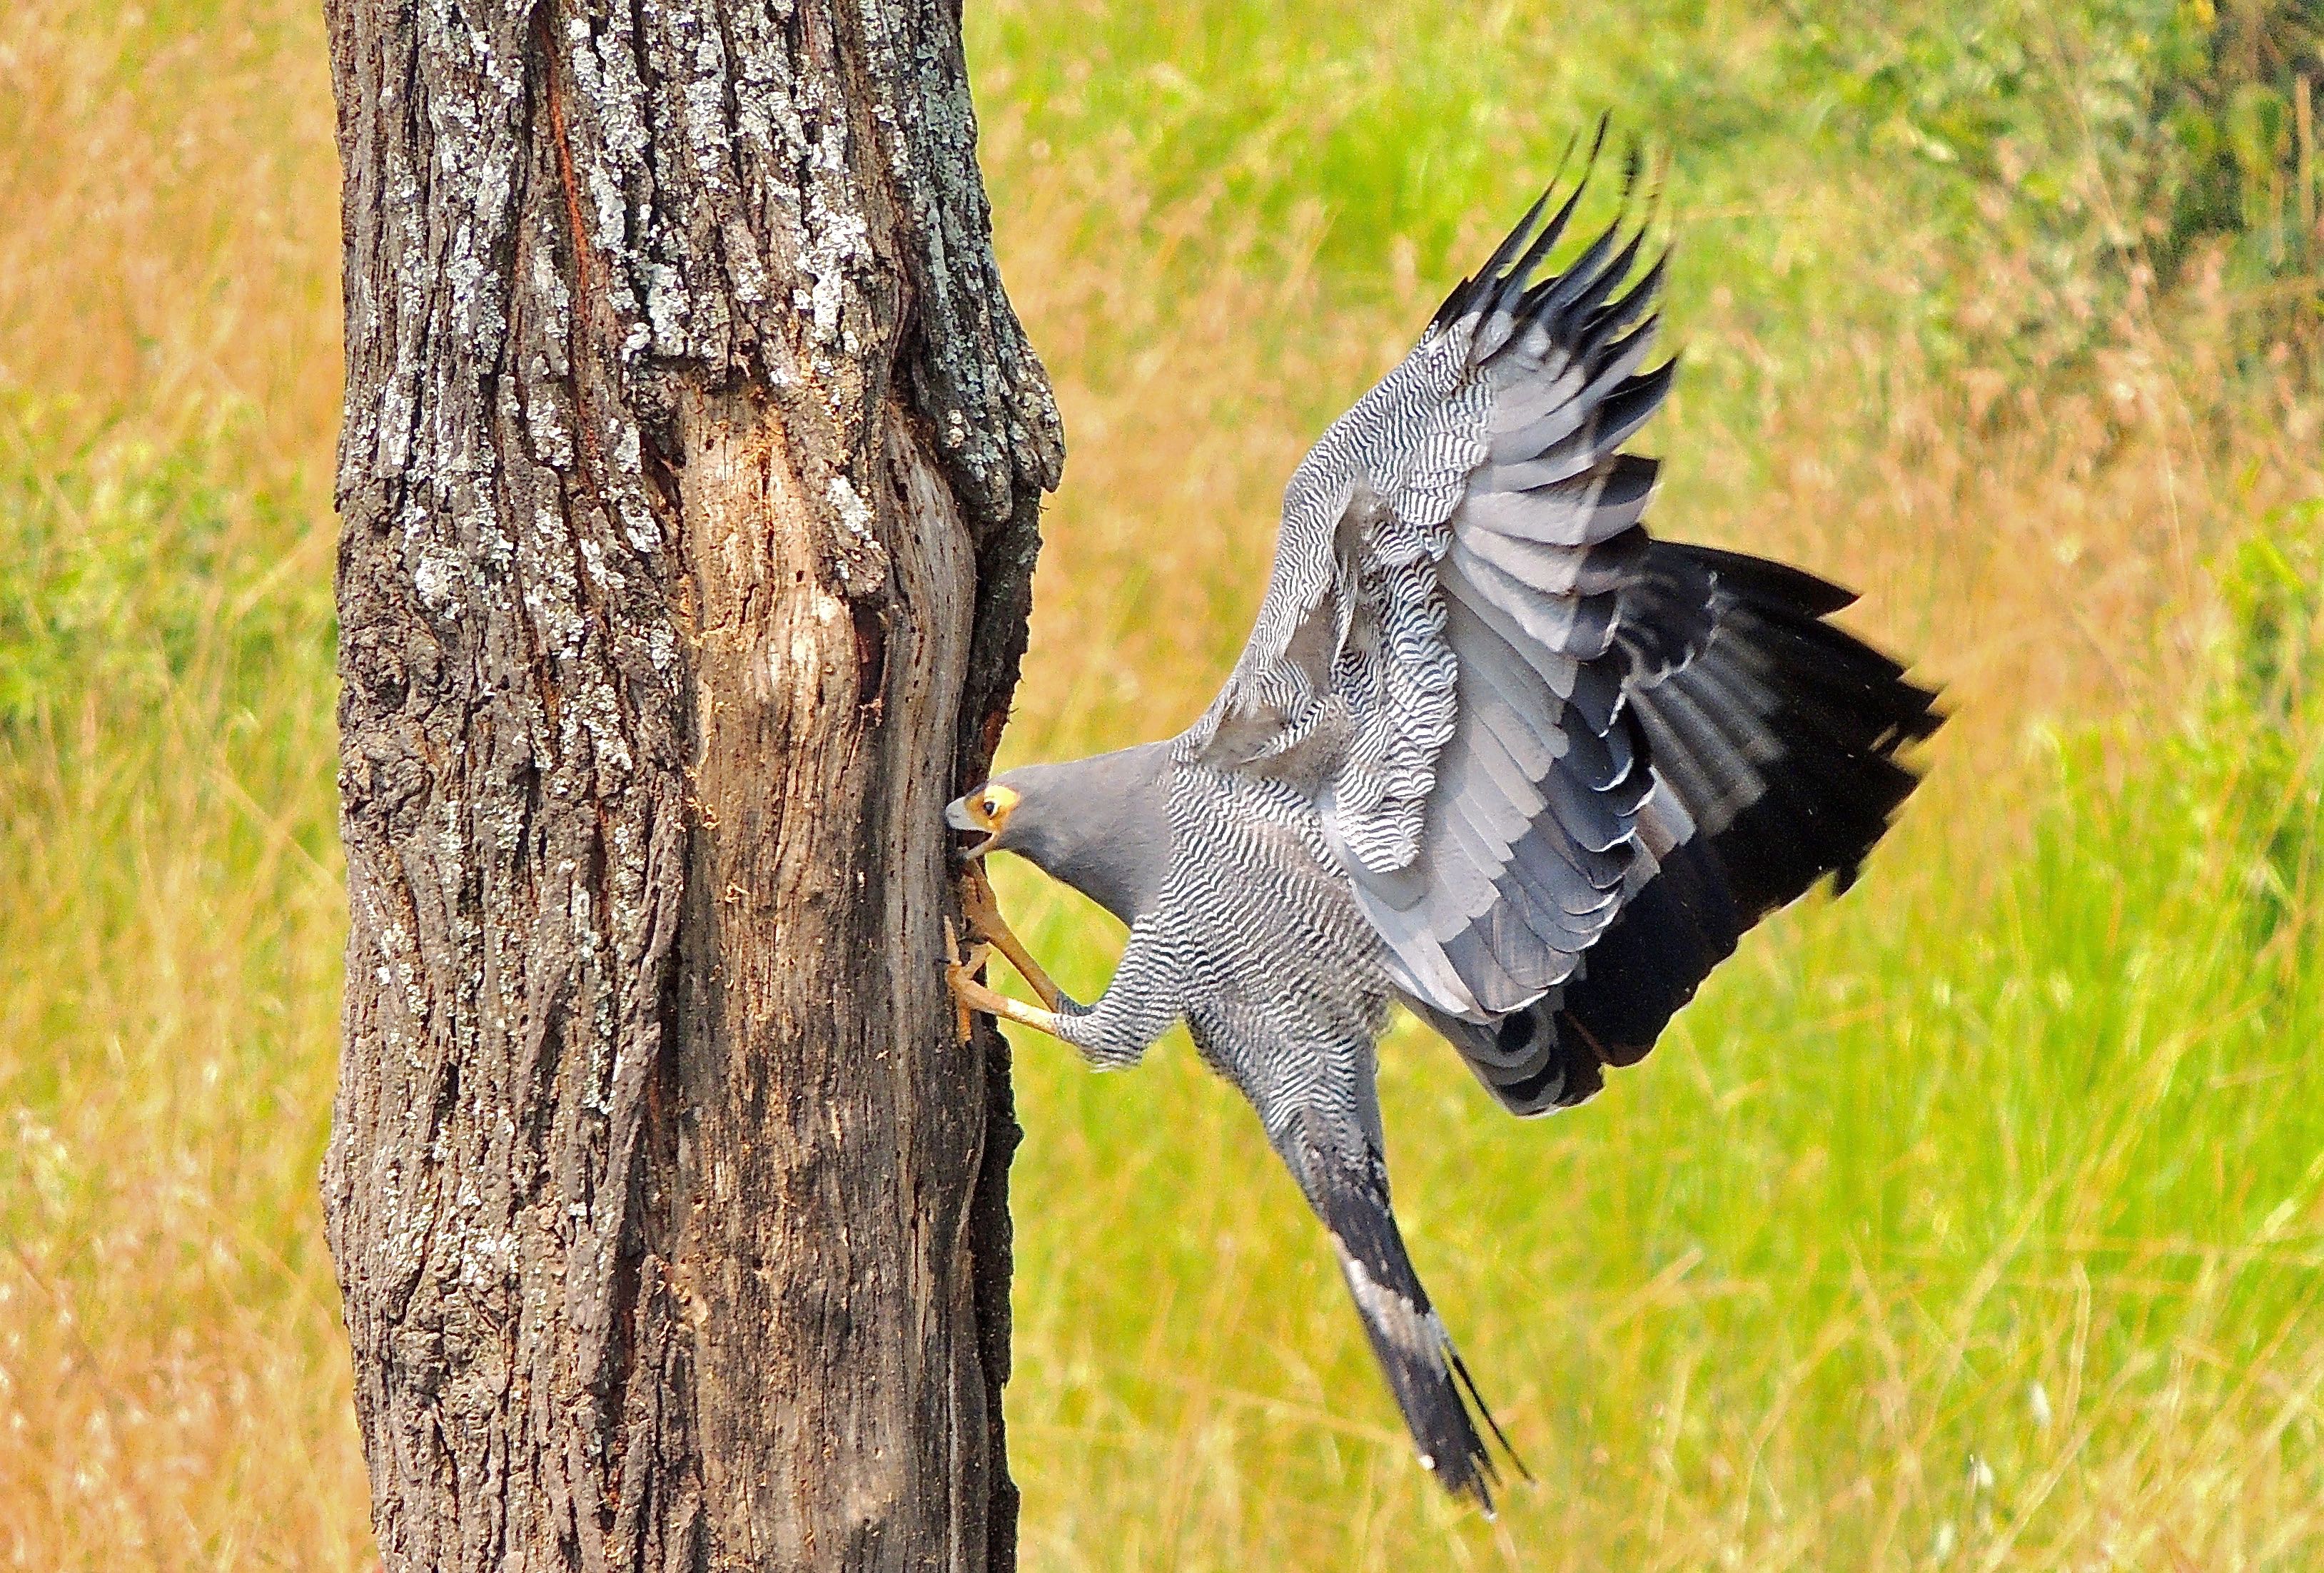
[(969, 995), (985, 922), (956, 968)]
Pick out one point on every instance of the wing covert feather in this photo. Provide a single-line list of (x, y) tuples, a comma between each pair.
[(1436, 656)]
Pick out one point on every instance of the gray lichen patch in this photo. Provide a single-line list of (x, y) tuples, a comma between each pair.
[(563, 225)]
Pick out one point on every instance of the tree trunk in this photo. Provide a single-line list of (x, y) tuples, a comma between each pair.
[(689, 487)]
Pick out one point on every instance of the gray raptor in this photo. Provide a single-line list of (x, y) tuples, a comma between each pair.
[(1491, 752)]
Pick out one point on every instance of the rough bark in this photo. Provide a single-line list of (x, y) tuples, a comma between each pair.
[(688, 486)]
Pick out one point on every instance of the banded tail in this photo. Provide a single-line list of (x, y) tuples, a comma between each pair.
[(1440, 1403)]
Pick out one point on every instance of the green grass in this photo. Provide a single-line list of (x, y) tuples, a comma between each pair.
[(1912, 1158), (1970, 1220)]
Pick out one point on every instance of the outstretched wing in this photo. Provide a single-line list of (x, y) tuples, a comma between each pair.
[(1773, 738), (1434, 657)]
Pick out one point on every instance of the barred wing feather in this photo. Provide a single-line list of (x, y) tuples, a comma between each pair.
[(1773, 737), (1435, 654)]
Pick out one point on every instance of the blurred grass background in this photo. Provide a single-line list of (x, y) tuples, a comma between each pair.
[(1976, 1221)]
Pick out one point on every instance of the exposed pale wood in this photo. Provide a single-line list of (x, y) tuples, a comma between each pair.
[(689, 487)]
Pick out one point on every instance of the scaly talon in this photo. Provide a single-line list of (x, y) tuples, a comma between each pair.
[(954, 976), (985, 922), (970, 996)]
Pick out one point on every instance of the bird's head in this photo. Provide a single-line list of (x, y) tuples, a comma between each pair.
[(986, 813), (1102, 825)]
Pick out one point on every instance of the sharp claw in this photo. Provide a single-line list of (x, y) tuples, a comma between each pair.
[(963, 1024), (977, 903), (981, 910)]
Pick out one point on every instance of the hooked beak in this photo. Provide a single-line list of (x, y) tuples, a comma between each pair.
[(956, 816)]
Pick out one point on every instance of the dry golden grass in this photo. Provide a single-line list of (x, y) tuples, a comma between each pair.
[(2023, 1115), (2060, 569), (172, 1379)]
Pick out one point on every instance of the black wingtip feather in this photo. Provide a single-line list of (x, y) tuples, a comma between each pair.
[(1769, 586), (1598, 139), (1629, 406), (1552, 298), (1592, 292), (1642, 335), (1473, 292), (1841, 711), (1618, 314), (1513, 285), (1504, 281)]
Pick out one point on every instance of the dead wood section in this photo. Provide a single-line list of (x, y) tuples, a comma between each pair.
[(689, 489)]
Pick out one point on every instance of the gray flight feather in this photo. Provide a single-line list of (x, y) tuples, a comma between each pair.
[(1490, 752)]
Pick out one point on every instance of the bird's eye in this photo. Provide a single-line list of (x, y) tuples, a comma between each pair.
[(989, 807)]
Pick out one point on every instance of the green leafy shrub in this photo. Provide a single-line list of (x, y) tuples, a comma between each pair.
[(2109, 148), (2269, 725), (131, 569), (2233, 102)]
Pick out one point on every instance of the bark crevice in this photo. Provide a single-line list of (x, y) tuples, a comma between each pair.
[(689, 485)]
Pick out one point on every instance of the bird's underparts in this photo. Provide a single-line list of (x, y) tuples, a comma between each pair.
[(1491, 752)]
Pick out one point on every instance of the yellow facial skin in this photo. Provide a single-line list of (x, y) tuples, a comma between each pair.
[(988, 809)]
